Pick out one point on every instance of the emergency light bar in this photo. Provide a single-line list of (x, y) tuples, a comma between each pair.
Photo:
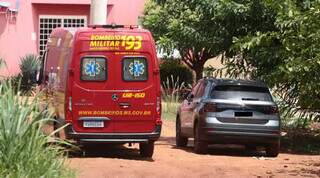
[(113, 26)]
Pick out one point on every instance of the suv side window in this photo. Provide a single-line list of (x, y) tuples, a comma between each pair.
[(195, 89), (200, 90)]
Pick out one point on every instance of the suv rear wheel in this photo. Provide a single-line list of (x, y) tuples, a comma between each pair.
[(272, 150), (200, 146), (146, 149), (181, 141)]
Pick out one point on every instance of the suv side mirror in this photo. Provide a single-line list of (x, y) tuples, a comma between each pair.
[(185, 94), (190, 97)]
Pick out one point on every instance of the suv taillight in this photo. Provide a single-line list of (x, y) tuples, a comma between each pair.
[(209, 107)]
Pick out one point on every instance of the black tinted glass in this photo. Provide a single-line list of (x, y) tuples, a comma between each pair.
[(135, 69), (93, 69), (250, 93)]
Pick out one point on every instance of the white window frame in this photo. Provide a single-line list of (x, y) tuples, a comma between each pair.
[(62, 17)]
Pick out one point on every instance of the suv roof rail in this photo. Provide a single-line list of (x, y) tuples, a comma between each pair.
[(210, 78), (113, 26)]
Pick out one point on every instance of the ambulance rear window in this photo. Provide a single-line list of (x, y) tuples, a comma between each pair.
[(134, 69), (93, 69)]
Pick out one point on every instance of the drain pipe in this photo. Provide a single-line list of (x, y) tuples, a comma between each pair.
[(98, 12)]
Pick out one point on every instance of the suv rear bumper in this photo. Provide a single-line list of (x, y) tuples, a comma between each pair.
[(235, 134), (113, 137)]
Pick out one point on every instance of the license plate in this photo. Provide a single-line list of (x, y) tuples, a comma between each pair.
[(93, 124), (243, 114)]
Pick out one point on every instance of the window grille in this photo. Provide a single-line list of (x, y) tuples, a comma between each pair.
[(48, 23)]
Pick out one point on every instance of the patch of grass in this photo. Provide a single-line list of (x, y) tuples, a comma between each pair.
[(171, 93), (168, 115), (301, 141), (169, 109), (24, 150), (2, 63), (171, 97)]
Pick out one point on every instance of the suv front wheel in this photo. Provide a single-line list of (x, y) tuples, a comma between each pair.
[(181, 141)]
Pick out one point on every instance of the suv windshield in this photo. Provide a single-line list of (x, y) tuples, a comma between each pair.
[(235, 92)]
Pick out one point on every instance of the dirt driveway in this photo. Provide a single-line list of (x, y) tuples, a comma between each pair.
[(111, 161)]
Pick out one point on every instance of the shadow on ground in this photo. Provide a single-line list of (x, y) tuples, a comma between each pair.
[(109, 151), (292, 144), (215, 149)]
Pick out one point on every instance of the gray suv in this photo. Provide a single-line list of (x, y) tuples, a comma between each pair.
[(229, 112)]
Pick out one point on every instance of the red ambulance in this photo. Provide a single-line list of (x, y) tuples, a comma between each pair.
[(104, 81)]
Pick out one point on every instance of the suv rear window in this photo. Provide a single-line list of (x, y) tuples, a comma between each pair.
[(135, 69), (234, 92), (93, 69)]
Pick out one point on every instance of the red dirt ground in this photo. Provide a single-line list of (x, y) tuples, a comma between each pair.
[(168, 161)]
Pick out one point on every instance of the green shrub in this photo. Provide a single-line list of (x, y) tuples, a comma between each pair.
[(24, 150), (2, 63), (172, 94), (29, 66), (170, 67)]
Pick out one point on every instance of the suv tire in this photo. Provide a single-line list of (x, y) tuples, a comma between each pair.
[(181, 141), (200, 146), (272, 150), (146, 149)]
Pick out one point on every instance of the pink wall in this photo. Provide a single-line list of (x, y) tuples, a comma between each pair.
[(126, 12), (61, 1), (17, 37)]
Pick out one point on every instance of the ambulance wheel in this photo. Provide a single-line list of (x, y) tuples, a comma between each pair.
[(146, 149), (59, 124)]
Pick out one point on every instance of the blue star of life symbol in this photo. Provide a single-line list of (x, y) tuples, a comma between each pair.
[(136, 68), (92, 68)]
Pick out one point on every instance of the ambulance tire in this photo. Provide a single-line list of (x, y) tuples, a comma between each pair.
[(146, 149)]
